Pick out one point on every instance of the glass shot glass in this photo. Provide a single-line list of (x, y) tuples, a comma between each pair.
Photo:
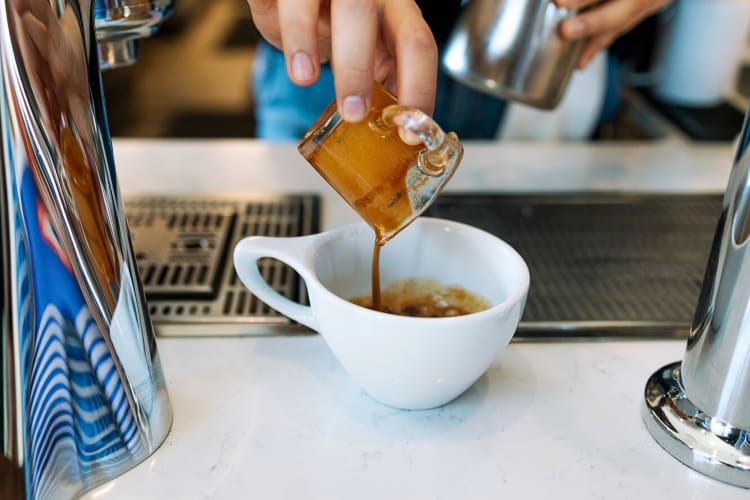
[(388, 182)]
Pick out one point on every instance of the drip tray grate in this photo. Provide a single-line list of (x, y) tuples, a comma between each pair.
[(183, 248), (601, 265), (604, 265)]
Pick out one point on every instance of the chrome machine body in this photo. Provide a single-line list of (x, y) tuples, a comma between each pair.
[(699, 409), (83, 394)]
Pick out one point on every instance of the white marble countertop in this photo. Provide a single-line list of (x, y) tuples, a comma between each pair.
[(277, 418)]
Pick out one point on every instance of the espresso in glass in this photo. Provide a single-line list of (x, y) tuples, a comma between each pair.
[(387, 182), (367, 164)]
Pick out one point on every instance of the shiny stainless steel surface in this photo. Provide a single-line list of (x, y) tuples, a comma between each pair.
[(716, 367), (121, 23), (715, 371), (513, 49), (609, 265), (692, 436), (183, 248), (12, 484), (83, 391)]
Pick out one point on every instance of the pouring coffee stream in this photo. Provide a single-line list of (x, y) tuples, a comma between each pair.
[(431, 161), (376, 303)]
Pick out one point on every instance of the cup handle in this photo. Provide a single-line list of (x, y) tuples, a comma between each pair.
[(295, 252), (442, 150)]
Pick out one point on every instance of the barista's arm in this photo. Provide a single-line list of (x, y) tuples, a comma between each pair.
[(605, 20), (366, 40)]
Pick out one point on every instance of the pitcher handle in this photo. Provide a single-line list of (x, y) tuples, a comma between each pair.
[(442, 150)]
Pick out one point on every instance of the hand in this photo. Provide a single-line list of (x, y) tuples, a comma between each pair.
[(366, 40), (603, 21)]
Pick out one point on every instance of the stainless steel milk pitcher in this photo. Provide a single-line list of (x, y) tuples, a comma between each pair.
[(513, 49)]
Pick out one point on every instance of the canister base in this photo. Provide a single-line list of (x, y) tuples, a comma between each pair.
[(698, 440)]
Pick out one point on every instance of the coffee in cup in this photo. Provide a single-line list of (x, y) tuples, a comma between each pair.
[(424, 298)]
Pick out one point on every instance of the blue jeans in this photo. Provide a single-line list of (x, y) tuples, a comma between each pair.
[(284, 111)]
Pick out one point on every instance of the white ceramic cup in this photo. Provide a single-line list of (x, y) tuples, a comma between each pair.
[(405, 362)]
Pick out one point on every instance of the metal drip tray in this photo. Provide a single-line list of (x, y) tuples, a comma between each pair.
[(601, 265), (183, 248)]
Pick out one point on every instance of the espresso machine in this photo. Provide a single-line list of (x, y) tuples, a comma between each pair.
[(83, 393)]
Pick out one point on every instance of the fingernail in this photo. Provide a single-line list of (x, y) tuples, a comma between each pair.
[(302, 67), (574, 28), (353, 108)]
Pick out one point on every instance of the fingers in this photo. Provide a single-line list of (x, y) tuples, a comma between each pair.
[(305, 28), (367, 40), (354, 28), (299, 39), (266, 19), (575, 4), (415, 50), (593, 46), (358, 60), (603, 23), (611, 17)]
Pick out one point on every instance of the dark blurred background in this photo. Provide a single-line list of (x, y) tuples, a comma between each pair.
[(192, 78)]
